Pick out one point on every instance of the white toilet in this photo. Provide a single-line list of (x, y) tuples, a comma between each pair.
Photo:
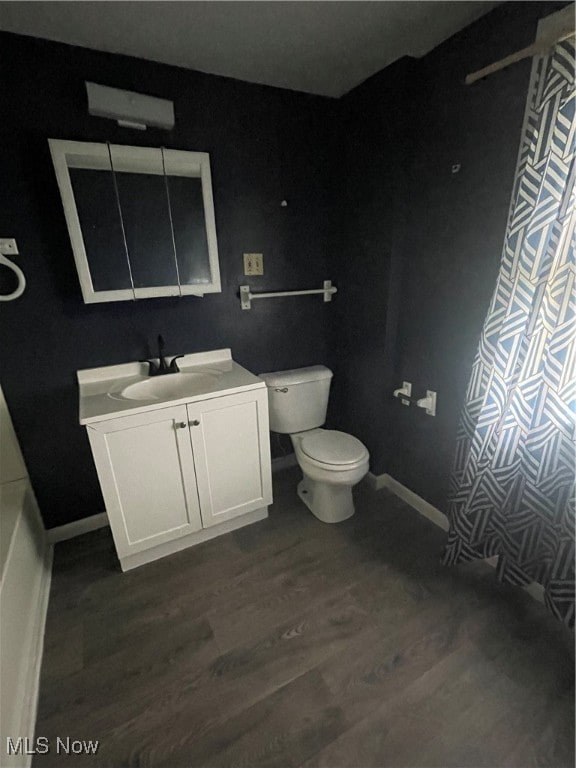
[(332, 462)]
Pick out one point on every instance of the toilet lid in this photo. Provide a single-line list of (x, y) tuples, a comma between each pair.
[(332, 447)]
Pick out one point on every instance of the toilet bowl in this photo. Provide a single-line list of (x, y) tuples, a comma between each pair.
[(332, 462)]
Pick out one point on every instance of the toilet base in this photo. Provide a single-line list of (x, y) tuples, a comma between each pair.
[(329, 503)]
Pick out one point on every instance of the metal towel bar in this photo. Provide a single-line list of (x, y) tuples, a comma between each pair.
[(247, 297)]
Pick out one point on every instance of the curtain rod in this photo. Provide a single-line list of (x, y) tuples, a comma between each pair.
[(525, 53)]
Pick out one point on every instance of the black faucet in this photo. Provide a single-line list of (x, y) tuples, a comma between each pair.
[(162, 366)]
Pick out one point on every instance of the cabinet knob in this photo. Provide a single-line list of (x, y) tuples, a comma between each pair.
[(194, 423), (181, 425)]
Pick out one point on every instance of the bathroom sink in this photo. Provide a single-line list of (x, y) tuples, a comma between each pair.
[(171, 386)]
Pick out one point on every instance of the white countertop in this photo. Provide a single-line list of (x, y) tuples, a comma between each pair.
[(100, 388)]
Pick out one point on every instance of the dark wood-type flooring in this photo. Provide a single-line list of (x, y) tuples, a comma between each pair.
[(294, 643)]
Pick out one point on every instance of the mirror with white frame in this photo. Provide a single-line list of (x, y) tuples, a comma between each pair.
[(140, 220)]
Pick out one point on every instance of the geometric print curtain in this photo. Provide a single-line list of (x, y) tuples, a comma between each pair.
[(512, 489)]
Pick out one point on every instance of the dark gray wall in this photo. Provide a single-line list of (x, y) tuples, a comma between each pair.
[(373, 205), (265, 145), (369, 181), (423, 259)]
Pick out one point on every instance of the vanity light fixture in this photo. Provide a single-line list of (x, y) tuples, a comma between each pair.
[(129, 109)]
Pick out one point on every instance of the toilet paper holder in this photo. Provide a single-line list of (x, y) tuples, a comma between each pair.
[(404, 394)]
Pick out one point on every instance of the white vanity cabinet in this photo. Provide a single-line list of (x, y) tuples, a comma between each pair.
[(231, 447), (174, 476)]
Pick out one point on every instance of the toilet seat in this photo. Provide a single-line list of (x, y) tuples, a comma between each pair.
[(334, 448)]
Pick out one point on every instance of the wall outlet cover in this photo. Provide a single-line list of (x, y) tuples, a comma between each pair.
[(253, 264)]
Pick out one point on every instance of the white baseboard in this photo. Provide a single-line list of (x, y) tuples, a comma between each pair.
[(427, 510), (284, 462), (77, 528)]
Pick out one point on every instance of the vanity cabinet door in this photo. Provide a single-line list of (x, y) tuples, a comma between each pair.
[(146, 471), (230, 439)]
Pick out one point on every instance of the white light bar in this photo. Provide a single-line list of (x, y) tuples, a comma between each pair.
[(129, 109)]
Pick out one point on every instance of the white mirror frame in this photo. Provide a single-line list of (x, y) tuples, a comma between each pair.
[(81, 154)]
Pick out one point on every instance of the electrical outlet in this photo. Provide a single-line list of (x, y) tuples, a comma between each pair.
[(253, 264)]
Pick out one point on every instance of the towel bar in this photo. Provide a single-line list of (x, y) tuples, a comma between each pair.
[(247, 297)]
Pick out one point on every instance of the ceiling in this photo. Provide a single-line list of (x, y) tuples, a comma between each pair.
[(319, 47)]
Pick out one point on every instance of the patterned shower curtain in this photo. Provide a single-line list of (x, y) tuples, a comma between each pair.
[(512, 489)]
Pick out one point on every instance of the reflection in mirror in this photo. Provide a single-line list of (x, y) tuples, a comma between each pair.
[(146, 220), (189, 229), (101, 228)]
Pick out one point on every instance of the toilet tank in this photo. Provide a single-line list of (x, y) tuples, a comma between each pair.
[(298, 399)]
